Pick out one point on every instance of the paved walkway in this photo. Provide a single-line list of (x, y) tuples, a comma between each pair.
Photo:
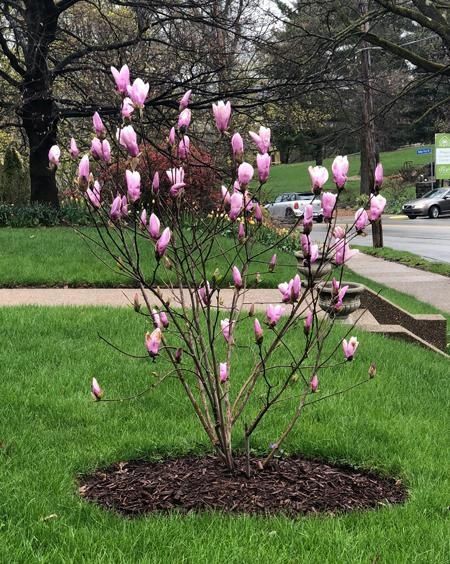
[(427, 287)]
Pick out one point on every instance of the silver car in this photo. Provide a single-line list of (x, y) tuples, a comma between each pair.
[(432, 204), (291, 205)]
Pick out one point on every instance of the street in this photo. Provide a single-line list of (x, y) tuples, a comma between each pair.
[(429, 238)]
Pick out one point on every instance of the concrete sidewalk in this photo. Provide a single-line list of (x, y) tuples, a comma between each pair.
[(427, 287)]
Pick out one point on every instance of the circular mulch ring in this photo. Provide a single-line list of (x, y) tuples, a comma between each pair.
[(291, 486)]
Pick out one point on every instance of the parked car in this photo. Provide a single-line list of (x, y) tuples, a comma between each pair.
[(291, 205), (432, 204)]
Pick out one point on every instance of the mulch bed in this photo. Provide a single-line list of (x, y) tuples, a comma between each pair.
[(291, 486)]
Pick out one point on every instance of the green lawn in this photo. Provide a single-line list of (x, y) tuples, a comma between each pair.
[(295, 177), (51, 431), (59, 256)]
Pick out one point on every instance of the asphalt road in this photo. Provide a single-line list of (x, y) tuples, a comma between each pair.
[(429, 238)]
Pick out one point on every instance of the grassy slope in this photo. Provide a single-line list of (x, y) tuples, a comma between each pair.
[(58, 256), (294, 177), (50, 431)]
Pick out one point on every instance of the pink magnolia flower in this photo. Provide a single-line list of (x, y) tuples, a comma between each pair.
[(272, 263), (222, 114), (343, 252), (379, 175), (328, 204), (259, 334), (308, 322), (84, 170), (248, 201), (172, 136), (119, 208), (258, 213), (314, 253), (340, 298), (184, 102), (237, 145), (205, 293), (73, 150), (154, 226), (245, 173), (94, 195), (164, 319), (307, 218), (163, 242), (236, 205), (226, 199), (377, 205), (155, 183), (241, 232), (156, 318), (128, 139), (226, 326), (153, 342), (138, 92), (361, 220), (339, 232), (101, 150), (96, 391), (122, 78), (262, 141), (223, 372), (133, 185), (176, 178), (237, 277), (143, 218), (340, 168), (127, 107), (99, 126), (305, 241), (274, 314), (314, 384), (350, 347), (53, 155), (263, 163), (184, 147), (184, 119), (290, 291), (318, 175)]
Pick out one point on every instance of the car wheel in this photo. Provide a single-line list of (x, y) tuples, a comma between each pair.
[(319, 218), (289, 213), (433, 212)]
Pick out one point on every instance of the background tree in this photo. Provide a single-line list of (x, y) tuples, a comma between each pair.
[(56, 56)]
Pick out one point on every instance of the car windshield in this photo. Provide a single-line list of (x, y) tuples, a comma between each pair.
[(305, 196), (434, 194)]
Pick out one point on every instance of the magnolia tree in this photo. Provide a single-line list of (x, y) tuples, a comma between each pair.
[(198, 322)]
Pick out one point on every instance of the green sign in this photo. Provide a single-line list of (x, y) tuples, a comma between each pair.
[(442, 141)]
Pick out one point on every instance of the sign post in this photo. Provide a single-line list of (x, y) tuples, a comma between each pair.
[(442, 148)]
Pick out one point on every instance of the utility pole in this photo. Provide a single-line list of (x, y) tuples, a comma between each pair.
[(368, 151)]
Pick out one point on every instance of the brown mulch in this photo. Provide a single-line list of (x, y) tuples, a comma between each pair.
[(290, 486)]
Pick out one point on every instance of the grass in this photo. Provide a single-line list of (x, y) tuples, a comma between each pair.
[(58, 256), (408, 259), (295, 177), (51, 432)]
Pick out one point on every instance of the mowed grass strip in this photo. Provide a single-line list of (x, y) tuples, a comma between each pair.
[(60, 256), (50, 431)]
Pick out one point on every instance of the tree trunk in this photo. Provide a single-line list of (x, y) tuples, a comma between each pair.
[(40, 126), (39, 112)]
